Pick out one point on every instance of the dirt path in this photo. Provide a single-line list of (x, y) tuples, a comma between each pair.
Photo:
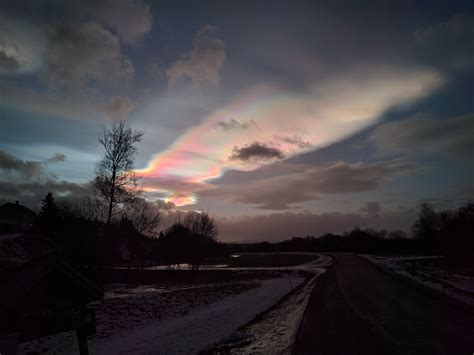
[(358, 309)]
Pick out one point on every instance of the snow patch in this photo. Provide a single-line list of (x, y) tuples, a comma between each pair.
[(198, 329), (275, 331), (460, 287)]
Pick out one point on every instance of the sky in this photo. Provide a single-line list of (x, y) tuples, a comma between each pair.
[(280, 118)]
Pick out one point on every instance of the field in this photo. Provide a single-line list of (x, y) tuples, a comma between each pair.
[(183, 309)]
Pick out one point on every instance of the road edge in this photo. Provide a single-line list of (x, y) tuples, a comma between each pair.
[(442, 297)]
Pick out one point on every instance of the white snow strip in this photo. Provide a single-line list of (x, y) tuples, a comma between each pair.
[(275, 333), (198, 329)]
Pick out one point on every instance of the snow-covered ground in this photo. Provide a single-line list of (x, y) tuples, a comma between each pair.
[(126, 307), (452, 284), (275, 331), (200, 328), (186, 318)]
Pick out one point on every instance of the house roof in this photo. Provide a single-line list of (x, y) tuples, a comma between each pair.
[(15, 210)]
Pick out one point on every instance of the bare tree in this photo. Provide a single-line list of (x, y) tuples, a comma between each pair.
[(93, 207), (145, 217), (115, 179), (426, 227), (201, 224)]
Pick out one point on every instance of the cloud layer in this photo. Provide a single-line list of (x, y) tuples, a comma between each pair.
[(79, 55), (21, 46), (452, 136), (17, 170), (286, 124), (202, 64), (308, 183), (118, 107), (285, 225), (449, 44), (21, 168), (75, 61), (130, 19)]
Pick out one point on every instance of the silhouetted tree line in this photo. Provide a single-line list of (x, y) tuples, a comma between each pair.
[(93, 242), (190, 242), (447, 232), (365, 241)]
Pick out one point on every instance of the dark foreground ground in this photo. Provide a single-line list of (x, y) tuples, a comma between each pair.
[(358, 309)]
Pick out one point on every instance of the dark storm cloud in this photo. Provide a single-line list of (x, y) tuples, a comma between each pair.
[(256, 152), (80, 47), (71, 48), (29, 181), (25, 168), (74, 53), (453, 136), (311, 183), (21, 46), (448, 44), (130, 19), (203, 63), (83, 54)]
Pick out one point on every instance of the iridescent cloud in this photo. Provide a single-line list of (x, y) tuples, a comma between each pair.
[(286, 122)]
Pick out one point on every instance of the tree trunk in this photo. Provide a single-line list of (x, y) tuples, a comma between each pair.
[(112, 196), (109, 215)]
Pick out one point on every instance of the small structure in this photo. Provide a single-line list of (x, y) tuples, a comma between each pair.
[(42, 293), (15, 218)]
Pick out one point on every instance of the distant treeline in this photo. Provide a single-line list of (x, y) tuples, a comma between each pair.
[(448, 232), (193, 241)]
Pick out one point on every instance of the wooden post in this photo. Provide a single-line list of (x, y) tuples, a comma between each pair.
[(82, 341), (289, 277)]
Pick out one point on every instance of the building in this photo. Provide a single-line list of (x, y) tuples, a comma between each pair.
[(42, 293), (15, 217)]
